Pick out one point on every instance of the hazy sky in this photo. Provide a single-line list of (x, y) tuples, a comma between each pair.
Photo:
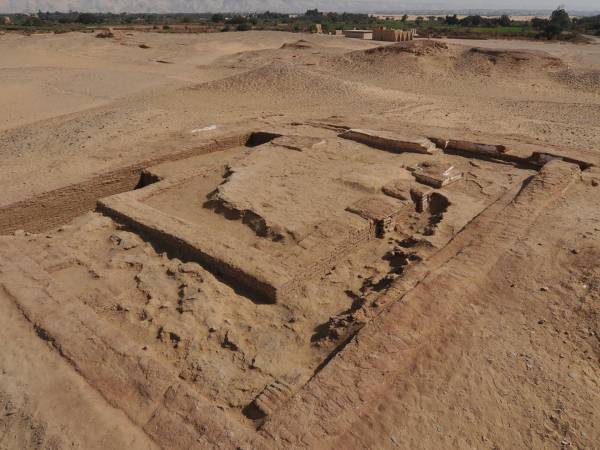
[(285, 5)]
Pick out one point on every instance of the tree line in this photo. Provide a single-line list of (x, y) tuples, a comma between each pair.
[(553, 27)]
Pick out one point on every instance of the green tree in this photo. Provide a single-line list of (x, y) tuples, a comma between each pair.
[(237, 20), (539, 24), (404, 18), (452, 20), (559, 22), (504, 21), (217, 18), (313, 13), (471, 21), (88, 18), (33, 21), (561, 18)]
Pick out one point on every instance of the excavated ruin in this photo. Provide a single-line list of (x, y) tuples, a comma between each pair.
[(219, 287)]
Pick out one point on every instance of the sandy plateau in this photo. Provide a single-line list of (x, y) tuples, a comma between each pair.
[(272, 240)]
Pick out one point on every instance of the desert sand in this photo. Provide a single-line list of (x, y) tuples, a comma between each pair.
[(276, 240)]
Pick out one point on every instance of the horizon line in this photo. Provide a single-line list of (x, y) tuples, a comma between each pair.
[(384, 12)]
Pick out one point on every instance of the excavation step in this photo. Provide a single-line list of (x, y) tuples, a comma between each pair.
[(270, 400)]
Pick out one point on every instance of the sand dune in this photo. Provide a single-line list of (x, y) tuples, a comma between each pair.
[(285, 82), (508, 63)]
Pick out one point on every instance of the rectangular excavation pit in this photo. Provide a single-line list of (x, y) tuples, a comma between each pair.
[(267, 237), (172, 214), (53, 208), (268, 219), (271, 360)]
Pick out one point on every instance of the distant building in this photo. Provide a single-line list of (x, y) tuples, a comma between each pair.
[(6, 20), (359, 34), (383, 34)]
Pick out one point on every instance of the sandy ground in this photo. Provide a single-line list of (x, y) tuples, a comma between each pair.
[(470, 323), (585, 56), (124, 105)]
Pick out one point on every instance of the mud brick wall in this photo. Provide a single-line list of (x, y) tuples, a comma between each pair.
[(321, 267), (57, 207)]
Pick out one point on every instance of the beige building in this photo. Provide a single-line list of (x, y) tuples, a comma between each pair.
[(383, 34), (6, 20), (359, 34)]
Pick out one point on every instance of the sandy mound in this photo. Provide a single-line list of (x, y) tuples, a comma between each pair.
[(407, 58), (298, 45), (485, 61), (286, 80), (418, 48)]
